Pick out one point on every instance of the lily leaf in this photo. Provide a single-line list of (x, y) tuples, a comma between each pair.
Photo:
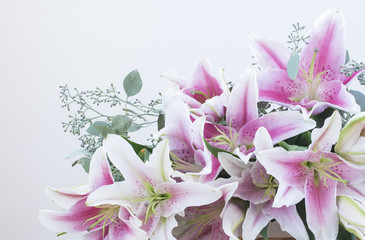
[(214, 150), (132, 83), (264, 232), (293, 65), (360, 98), (291, 147), (137, 147), (120, 124)]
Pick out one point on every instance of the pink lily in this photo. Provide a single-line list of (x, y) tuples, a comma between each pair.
[(203, 93), (208, 221), (188, 151), (260, 188), (319, 83), (103, 222), (149, 192), (319, 175), (351, 142), (243, 121)]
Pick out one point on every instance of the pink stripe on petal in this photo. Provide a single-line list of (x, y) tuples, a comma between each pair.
[(242, 104), (328, 36), (321, 209), (269, 53), (99, 174)]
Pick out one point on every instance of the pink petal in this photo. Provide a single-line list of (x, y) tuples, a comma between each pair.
[(242, 104), (99, 174), (289, 220), (254, 222), (185, 194), (262, 140), (286, 196), (232, 218), (73, 220), (213, 108), (286, 166), (325, 137), (160, 160), (345, 101), (356, 191), (327, 35), (347, 80), (276, 86), (280, 125), (268, 53), (121, 230), (321, 209)]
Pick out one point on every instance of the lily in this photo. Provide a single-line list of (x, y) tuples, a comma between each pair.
[(204, 93), (103, 222), (243, 121), (188, 151), (351, 142), (319, 83), (261, 189), (149, 192), (319, 175), (352, 215), (215, 220)]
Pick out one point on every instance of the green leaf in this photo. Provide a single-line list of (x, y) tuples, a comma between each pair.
[(214, 150), (61, 233), (137, 147), (161, 121), (343, 234), (99, 129), (264, 232), (132, 83), (360, 99), (347, 57), (144, 154), (291, 147), (134, 127), (320, 118), (293, 65), (85, 163), (120, 124)]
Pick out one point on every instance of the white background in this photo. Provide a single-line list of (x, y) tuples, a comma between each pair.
[(47, 43)]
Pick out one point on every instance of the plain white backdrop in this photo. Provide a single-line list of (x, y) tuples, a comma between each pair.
[(90, 43)]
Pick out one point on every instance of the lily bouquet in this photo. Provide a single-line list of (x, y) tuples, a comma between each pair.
[(285, 142)]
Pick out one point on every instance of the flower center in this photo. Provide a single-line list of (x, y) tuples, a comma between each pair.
[(184, 166), (107, 213), (311, 80), (204, 216), (269, 184), (229, 141), (153, 200), (323, 169)]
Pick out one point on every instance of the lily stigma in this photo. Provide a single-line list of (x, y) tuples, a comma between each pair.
[(106, 214), (322, 169)]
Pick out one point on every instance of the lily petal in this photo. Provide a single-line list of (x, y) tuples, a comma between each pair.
[(231, 164), (321, 209), (99, 174), (286, 196), (254, 222), (269, 53), (289, 220), (325, 137), (232, 218), (185, 194), (121, 230), (328, 36), (242, 104), (164, 229), (160, 160), (356, 191), (66, 198)]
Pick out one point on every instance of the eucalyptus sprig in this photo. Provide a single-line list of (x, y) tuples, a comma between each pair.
[(296, 38)]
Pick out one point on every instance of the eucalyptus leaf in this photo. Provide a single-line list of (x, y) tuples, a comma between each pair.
[(77, 153), (360, 98), (120, 124), (347, 57), (99, 129), (85, 163), (160, 121), (134, 127), (293, 65), (132, 83)]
